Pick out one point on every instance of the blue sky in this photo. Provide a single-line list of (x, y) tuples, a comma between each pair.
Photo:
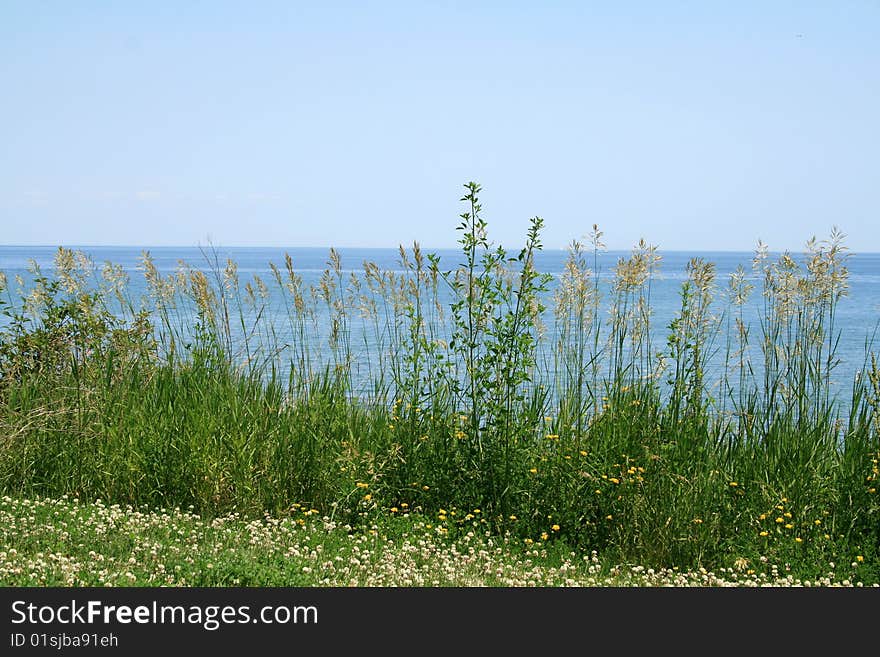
[(696, 125)]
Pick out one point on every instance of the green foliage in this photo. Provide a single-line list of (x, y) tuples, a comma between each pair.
[(193, 395)]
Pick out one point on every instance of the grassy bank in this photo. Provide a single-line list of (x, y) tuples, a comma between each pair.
[(66, 543), (704, 443)]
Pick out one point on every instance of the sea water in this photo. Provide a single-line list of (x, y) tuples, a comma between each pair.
[(856, 319)]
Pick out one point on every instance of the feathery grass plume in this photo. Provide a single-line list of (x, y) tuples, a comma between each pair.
[(116, 282), (690, 339), (738, 292)]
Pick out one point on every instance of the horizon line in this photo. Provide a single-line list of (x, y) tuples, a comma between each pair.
[(394, 248)]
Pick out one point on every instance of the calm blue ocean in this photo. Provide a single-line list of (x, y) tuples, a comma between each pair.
[(857, 318)]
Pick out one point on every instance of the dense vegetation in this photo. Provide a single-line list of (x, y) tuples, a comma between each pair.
[(707, 442)]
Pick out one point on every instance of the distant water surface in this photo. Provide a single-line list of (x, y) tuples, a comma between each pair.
[(857, 316)]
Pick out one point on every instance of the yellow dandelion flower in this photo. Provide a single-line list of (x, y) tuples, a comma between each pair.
[(393, 509), (765, 534), (404, 505), (555, 528), (780, 520), (787, 514), (798, 540), (528, 541), (533, 470), (698, 521), (544, 536), (860, 558), (614, 480), (734, 484), (583, 452), (426, 488), (361, 484), (763, 516), (368, 497), (788, 525), (817, 522), (597, 491), (609, 517), (513, 517), (552, 436)]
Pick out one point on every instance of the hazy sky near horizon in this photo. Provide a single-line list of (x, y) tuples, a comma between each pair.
[(696, 125)]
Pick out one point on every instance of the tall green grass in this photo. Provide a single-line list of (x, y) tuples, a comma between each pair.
[(705, 441)]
